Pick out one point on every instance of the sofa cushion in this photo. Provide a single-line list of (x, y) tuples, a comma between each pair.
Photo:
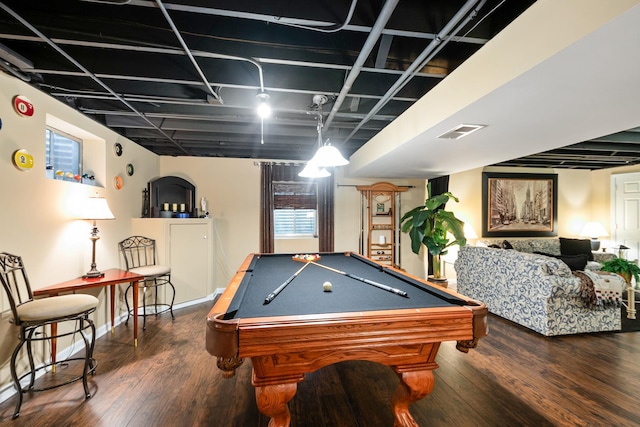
[(574, 262), (576, 247)]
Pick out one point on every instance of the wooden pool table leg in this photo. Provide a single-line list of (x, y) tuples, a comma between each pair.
[(272, 399), (414, 385)]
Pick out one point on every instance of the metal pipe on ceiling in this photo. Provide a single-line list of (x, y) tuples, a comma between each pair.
[(282, 20), (436, 45), (369, 44), (88, 73), (421, 61), (220, 56), (328, 29), (187, 51)]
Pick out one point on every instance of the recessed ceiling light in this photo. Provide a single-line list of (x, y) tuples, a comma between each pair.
[(461, 131)]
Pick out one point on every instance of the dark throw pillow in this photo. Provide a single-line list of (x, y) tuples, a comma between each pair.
[(574, 262), (506, 245), (576, 247), (494, 246)]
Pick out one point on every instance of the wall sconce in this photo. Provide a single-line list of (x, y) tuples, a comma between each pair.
[(594, 230), (95, 208)]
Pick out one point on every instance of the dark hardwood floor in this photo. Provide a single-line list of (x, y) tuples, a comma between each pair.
[(514, 378)]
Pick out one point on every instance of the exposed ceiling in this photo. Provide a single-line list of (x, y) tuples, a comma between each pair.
[(181, 77)]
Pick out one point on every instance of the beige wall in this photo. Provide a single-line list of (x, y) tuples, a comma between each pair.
[(232, 190), (37, 220), (575, 196)]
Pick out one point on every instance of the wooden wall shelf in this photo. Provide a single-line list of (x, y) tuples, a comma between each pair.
[(380, 223)]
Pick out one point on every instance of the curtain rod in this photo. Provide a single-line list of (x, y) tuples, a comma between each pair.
[(358, 185)]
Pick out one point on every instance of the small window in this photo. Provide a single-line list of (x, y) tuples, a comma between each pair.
[(63, 156), (295, 207)]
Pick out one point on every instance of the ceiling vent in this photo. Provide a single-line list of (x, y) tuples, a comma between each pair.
[(461, 131)]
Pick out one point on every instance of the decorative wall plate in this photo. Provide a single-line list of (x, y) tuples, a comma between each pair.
[(117, 148), (130, 169), (117, 182), (23, 106), (23, 160)]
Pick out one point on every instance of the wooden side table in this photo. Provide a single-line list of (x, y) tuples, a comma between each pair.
[(111, 278)]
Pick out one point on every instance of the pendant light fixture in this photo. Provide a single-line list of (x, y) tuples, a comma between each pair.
[(264, 111), (327, 155), (311, 170)]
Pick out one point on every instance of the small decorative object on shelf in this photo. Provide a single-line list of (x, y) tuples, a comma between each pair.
[(145, 203)]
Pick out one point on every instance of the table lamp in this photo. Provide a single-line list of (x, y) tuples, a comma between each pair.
[(594, 230), (95, 208)]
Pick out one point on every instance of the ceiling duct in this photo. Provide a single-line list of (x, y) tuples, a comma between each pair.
[(461, 131)]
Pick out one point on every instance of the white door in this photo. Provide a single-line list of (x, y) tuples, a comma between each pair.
[(627, 212)]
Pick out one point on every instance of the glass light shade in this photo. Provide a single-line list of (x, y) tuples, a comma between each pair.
[(328, 156), (96, 208), (264, 109), (312, 171), (594, 230)]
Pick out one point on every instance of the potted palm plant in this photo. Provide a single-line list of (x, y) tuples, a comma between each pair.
[(431, 225), (625, 268)]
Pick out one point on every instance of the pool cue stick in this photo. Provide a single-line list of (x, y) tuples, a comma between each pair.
[(279, 289), (367, 281)]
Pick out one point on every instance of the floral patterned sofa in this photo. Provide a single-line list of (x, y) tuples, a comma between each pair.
[(535, 291)]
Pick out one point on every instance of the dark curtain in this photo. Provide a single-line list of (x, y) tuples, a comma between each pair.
[(266, 208), (325, 214), (438, 186), (271, 172)]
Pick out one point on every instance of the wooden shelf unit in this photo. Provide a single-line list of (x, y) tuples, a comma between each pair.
[(380, 230)]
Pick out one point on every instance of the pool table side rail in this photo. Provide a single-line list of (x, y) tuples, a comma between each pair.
[(372, 327)]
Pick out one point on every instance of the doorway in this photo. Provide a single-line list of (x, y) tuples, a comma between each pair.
[(626, 212)]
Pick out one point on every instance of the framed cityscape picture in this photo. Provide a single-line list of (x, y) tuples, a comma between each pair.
[(519, 205)]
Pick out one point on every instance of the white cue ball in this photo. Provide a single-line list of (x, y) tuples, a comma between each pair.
[(326, 286)]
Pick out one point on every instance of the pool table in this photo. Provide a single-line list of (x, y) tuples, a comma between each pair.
[(305, 327)]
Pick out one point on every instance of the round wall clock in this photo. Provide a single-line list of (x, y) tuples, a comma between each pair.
[(117, 148), (130, 169)]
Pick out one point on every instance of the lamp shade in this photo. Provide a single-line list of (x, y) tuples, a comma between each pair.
[(96, 207), (328, 156), (594, 230), (312, 171)]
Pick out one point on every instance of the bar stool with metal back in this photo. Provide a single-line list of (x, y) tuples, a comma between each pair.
[(140, 257), (33, 315)]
